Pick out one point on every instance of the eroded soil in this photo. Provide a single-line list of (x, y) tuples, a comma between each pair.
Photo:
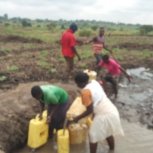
[(23, 63)]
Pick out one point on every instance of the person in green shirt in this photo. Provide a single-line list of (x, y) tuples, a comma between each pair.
[(57, 101)]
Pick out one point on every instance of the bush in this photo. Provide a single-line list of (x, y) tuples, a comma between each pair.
[(145, 29), (94, 28), (26, 23), (7, 24), (85, 33), (51, 26)]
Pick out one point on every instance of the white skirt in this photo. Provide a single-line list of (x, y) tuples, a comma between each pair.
[(106, 122)]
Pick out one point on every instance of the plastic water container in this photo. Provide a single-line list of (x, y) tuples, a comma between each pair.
[(89, 121), (92, 74), (38, 132), (63, 141), (78, 133), (76, 108)]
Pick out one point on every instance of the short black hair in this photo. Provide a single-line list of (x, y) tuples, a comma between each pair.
[(81, 77), (105, 57), (36, 90), (74, 27), (95, 39)]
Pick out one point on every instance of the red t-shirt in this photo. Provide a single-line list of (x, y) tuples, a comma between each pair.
[(113, 67), (67, 42)]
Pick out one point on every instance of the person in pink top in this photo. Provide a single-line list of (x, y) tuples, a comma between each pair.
[(114, 70)]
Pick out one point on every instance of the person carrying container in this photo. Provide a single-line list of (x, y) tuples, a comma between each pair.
[(106, 120), (57, 101)]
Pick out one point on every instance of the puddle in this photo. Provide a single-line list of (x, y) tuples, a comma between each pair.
[(141, 73), (139, 90)]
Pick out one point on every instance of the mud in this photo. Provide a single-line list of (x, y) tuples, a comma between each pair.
[(26, 55), (17, 107), (134, 46), (135, 101), (15, 38), (137, 139), (135, 104)]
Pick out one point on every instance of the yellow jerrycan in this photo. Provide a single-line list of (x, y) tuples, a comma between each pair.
[(75, 109), (89, 121), (38, 131), (63, 141), (78, 133)]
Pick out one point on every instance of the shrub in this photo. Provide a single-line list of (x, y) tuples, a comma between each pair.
[(85, 33), (145, 29), (26, 23)]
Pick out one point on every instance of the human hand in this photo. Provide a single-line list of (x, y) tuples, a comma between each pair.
[(75, 119)]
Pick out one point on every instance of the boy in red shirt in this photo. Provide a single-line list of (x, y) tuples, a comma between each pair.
[(68, 43)]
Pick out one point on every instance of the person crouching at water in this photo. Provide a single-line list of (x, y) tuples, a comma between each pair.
[(114, 71), (57, 101), (106, 121)]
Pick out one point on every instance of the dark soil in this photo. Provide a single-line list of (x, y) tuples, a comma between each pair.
[(17, 106)]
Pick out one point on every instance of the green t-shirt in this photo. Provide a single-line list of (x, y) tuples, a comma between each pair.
[(54, 94)]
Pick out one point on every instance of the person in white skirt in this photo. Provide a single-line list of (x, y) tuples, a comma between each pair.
[(106, 120)]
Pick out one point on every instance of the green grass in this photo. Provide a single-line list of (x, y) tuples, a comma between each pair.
[(42, 60), (12, 68), (113, 39), (31, 32)]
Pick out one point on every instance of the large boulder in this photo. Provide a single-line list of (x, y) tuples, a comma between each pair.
[(17, 107)]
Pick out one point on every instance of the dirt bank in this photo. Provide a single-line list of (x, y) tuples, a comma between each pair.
[(20, 63), (135, 103), (17, 107)]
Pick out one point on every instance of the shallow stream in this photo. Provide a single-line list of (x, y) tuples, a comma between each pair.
[(135, 102)]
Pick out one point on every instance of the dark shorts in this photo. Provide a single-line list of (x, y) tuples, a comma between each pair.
[(58, 117)]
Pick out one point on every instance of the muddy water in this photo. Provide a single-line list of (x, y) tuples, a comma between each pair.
[(137, 139), (134, 102), (139, 90)]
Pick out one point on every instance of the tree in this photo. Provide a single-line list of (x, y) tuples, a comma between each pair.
[(51, 26), (5, 17), (94, 28), (26, 23), (145, 29)]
